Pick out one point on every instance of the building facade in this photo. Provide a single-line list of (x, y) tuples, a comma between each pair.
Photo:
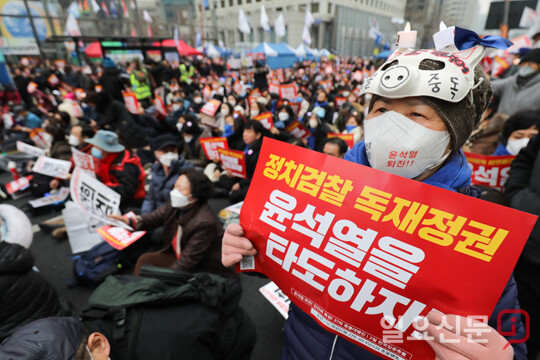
[(342, 26)]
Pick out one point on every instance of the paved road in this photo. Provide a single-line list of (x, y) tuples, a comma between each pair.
[(52, 257)]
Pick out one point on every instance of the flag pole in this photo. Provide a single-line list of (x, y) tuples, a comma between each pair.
[(201, 7)]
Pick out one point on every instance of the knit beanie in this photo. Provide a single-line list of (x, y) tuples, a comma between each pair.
[(532, 56), (462, 117)]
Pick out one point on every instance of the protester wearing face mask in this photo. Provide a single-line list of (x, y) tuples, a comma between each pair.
[(257, 108), (60, 149), (191, 231), (198, 102), (520, 92), (517, 131), (318, 128), (232, 100), (118, 169), (253, 137), (193, 151), (285, 116), (522, 189), (406, 116), (165, 172), (77, 136), (353, 125)]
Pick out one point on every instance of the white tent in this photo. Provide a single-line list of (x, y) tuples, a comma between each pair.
[(304, 52), (211, 50)]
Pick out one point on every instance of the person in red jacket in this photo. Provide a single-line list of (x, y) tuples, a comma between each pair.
[(118, 168)]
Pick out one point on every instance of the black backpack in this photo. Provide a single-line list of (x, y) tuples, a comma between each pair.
[(165, 314), (91, 267)]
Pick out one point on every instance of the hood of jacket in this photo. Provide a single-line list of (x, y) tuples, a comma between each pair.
[(55, 338), (14, 259)]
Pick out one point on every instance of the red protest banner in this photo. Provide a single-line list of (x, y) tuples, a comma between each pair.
[(280, 76), (340, 100), (160, 105), (357, 248), (53, 79), (132, 104), (288, 91), (273, 88), (211, 107), (19, 184), (32, 86), (120, 238), (295, 105), (234, 161), (298, 130), (80, 94), (327, 85), (211, 145), (358, 76), (266, 120), (238, 87), (256, 93), (489, 170), (349, 138), (206, 92)]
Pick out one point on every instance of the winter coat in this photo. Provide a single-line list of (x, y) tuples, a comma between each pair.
[(112, 83), (514, 97), (124, 174), (236, 141), (305, 339), (523, 191), (194, 153), (161, 184), (212, 324), (200, 242), (25, 295)]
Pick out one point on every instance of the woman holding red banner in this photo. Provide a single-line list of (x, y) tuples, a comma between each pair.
[(411, 113)]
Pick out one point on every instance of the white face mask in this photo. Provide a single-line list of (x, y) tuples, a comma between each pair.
[(232, 102), (178, 200), (188, 138), (283, 116), (313, 123), (197, 100), (514, 146), (392, 134), (168, 158), (526, 71), (254, 113), (179, 126), (73, 140), (175, 107), (225, 111)]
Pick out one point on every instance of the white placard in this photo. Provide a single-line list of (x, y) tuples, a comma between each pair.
[(81, 228), (29, 149), (277, 298), (52, 167), (49, 200), (95, 198), (84, 161)]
